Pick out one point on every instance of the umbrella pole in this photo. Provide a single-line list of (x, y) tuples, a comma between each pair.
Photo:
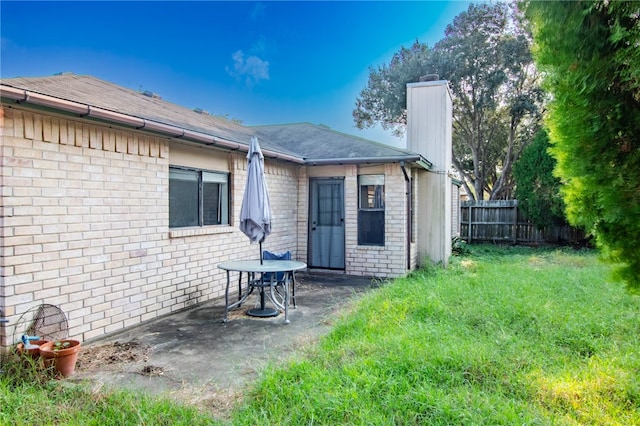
[(263, 311)]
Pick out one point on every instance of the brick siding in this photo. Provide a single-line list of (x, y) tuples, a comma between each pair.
[(385, 261), (85, 225)]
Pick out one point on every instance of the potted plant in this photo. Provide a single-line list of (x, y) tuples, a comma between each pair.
[(62, 355), (30, 346)]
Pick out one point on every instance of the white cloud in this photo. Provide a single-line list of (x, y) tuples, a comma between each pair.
[(250, 68), (260, 46)]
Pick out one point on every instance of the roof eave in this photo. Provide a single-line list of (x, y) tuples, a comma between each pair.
[(22, 96), (416, 159)]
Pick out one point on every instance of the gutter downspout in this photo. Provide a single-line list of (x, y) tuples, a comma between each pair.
[(167, 130), (407, 179)]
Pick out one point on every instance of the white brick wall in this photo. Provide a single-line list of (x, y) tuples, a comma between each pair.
[(385, 261), (84, 225)]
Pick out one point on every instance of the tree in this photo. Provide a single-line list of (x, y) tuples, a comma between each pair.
[(384, 100), (537, 189), (590, 52), (486, 58)]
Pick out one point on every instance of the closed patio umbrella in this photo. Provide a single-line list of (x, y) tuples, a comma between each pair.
[(255, 213)]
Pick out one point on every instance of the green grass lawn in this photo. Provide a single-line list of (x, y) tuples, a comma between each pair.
[(503, 336)]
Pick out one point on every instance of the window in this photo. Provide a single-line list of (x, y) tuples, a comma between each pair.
[(371, 210), (198, 198), (330, 210)]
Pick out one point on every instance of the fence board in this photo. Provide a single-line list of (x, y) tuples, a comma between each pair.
[(502, 221)]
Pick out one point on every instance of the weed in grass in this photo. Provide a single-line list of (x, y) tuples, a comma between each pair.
[(19, 369), (28, 396), (597, 393)]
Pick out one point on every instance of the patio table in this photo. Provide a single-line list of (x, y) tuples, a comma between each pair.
[(253, 267)]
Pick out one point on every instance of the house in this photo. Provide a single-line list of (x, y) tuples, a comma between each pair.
[(117, 205)]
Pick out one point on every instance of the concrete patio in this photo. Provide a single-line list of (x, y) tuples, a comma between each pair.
[(195, 356)]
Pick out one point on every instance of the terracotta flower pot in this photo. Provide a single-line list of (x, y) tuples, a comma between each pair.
[(62, 354), (32, 352)]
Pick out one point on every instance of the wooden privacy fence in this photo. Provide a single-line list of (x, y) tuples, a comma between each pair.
[(501, 221)]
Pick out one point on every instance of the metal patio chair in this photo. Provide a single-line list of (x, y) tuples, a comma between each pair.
[(280, 277)]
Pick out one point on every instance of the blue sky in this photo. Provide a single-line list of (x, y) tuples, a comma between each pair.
[(261, 62)]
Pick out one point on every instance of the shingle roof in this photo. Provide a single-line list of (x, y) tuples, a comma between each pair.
[(305, 140), (317, 143), (103, 94)]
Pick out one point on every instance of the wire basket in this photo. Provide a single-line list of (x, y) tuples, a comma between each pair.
[(46, 321)]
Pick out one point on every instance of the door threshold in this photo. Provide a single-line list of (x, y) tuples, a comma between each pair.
[(326, 271)]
